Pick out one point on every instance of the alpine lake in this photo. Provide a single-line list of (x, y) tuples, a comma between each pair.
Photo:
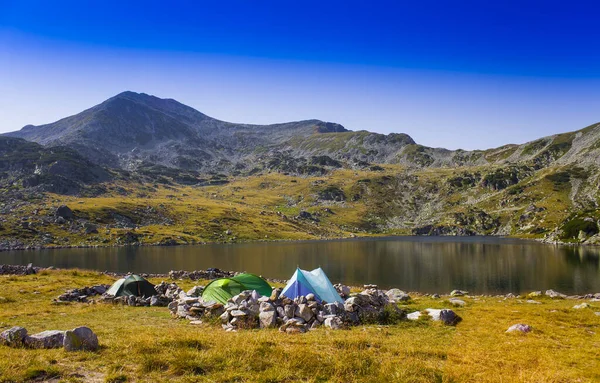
[(480, 265)]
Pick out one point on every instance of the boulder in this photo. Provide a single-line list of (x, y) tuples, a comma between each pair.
[(555, 294), (343, 290), (447, 316), (397, 295), (13, 337), (519, 327), (457, 302), (238, 313), (304, 312), (414, 315), (334, 323), (583, 305), (195, 291), (63, 212), (267, 319), (266, 306), (80, 338), (276, 293), (289, 310), (159, 301), (458, 293), (46, 339)]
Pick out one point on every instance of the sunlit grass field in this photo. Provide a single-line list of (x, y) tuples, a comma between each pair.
[(146, 344)]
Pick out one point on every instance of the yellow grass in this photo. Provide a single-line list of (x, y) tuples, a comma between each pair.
[(147, 345)]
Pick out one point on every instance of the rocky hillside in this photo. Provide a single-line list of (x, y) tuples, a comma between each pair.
[(137, 162)]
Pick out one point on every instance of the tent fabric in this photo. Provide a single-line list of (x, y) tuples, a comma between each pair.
[(304, 282), (132, 285), (221, 290)]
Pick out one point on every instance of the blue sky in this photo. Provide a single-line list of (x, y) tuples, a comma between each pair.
[(455, 74)]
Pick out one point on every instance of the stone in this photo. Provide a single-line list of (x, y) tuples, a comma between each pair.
[(458, 293), (238, 313), (131, 301), (266, 306), (90, 228), (449, 317), (295, 330), (80, 338), (289, 311), (99, 289), (343, 290), (397, 295), (225, 317), (280, 312), (534, 294), (457, 302), (351, 304), (531, 301), (63, 212), (195, 291), (310, 297), (583, 305), (555, 294), (435, 296), (304, 312), (522, 328), (159, 301), (267, 319), (597, 313), (13, 337), (196, 322), (331, 309), (46, 339), (414, 315), (334, 323), (276, 293)]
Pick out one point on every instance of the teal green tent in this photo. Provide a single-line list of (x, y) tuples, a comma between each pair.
[(132, 285), (221, 290), (316, 282)]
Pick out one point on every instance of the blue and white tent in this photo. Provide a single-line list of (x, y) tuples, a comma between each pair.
[(305, 282)]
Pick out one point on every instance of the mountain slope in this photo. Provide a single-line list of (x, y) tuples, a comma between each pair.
[(136, 131)]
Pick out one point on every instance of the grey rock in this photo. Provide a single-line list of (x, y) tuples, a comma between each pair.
[(46, 339), (195, 291), (458, 293), (310, 297), (522, 328), (534, 294), (80, 338), (555, 294), (267, 319), (414, 315), (280, 312), (457, 302), (304, 312), (334, 323), (449, 317), (63, 212), (238, 313), (531, 301), (266, 306), (225, 317), (583, 305), (13, 337), (289, 310), (397, 295)]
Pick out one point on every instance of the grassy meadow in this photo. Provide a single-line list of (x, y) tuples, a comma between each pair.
[(145, 344)]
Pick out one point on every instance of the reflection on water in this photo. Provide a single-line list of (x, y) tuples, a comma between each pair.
[(426, 264)]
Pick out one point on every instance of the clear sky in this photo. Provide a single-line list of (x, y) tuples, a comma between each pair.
[(455, 74)]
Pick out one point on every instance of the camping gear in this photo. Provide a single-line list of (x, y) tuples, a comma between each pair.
[(305, 282), (221, 290), (132, 285)]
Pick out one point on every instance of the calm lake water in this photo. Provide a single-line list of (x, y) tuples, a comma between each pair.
[(425, 264)]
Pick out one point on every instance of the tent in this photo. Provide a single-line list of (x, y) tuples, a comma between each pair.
[(304, 282), (132, 285), (221, 290)]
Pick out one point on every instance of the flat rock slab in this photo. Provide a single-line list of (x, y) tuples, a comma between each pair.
[(414, 316), (582, 306), (46, 339)]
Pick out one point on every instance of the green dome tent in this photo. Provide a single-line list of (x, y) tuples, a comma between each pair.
[(132, 285), (221, 290)]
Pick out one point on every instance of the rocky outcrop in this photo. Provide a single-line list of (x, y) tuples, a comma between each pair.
[(78, 339)]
